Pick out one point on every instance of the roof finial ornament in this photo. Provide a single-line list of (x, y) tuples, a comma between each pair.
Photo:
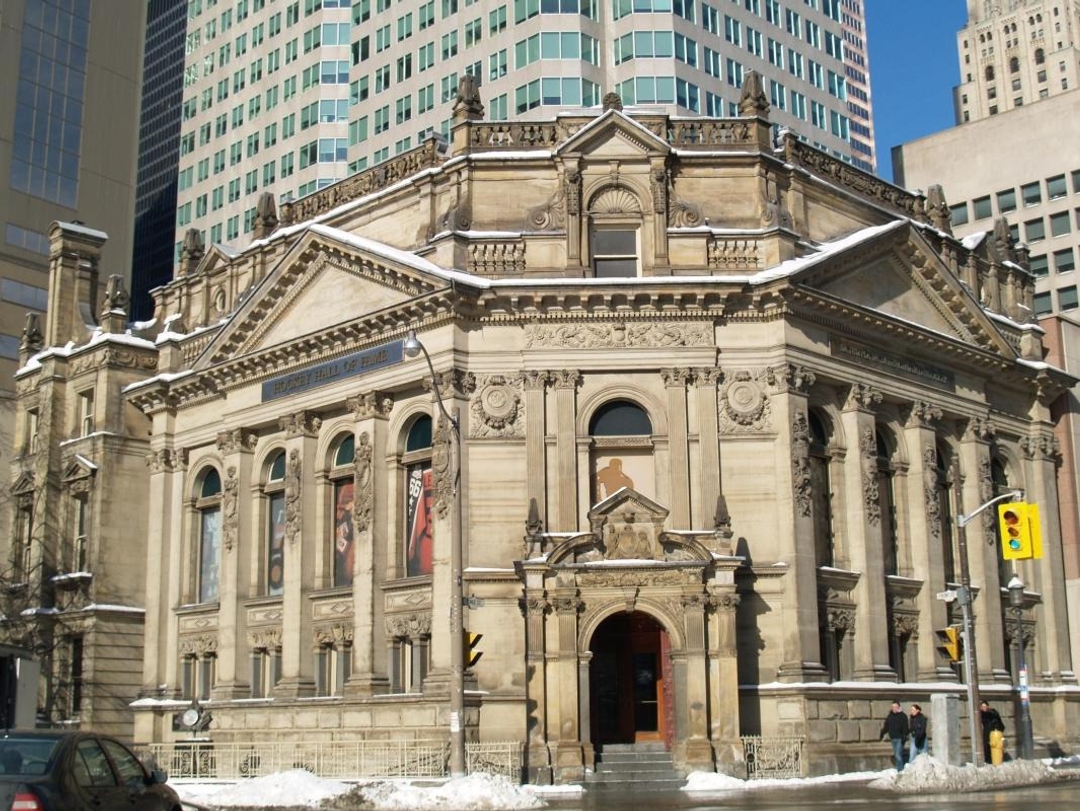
[(937, 210), (192, 251), (467, 106), (753, 102), (612, 101), (266, 219)]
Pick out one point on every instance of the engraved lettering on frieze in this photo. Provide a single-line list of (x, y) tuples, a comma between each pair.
[(443, 468), (930, 491), (743, 406), (617, 334), (404, 626), (363, 484), (800, 463), (293, 469), (237, 440), (302, 423), (230, 523), (497, 409), (871, 489), (369, 405)]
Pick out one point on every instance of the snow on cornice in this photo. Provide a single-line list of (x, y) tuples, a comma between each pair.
[(70, 349), (85, 462), (164, 377), (78, 228)]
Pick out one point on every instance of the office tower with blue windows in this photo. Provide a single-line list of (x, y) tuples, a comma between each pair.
[(290, 97)]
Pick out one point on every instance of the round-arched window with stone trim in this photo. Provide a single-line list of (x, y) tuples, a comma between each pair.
[(622, 450)]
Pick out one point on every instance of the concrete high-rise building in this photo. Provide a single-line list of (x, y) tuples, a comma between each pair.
[(159, 136), (68, 130), (1015, 52), (289, 97)]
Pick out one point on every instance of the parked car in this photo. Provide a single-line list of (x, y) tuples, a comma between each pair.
[(77, 771)]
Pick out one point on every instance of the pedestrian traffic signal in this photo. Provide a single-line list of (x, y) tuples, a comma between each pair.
[(472, 655), (949, 643), (1020, 531)]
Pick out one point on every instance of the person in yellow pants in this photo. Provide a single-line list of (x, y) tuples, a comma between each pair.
[(993, 734)]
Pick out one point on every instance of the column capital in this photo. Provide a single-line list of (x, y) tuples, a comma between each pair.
[(676, 378), (861, 397), (921, 414), (302, 423), (237, 440), (371, 404)]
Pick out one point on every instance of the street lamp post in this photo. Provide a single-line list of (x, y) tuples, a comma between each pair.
[(1016, 600), (412, 348), (964, 597)]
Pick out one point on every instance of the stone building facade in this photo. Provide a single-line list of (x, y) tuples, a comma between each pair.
[(718, 402)]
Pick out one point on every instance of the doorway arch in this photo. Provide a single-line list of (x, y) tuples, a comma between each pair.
[(631, 685)]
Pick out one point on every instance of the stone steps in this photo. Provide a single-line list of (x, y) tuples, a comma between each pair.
[(634, 767)]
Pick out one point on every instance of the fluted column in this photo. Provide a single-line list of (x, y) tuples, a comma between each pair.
[(301, 432), (675, 382), (236, 446), (799, 612), (566, 479), (370, 522), (864, 536), (924, 523)]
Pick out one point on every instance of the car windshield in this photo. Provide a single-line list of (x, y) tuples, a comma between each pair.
[(25, 756)]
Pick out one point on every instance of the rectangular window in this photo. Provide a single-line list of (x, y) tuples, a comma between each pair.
[(958, 214), (614, 253), (1031, 194), (1034, 230), (1006, 200), (1059, 224), (1055, 187), (1064, 261), (1067, 298), (1039, 265), (1042, 303), (982, 207), (86, 412)]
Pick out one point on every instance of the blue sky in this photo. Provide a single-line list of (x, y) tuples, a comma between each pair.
[(913, 69)]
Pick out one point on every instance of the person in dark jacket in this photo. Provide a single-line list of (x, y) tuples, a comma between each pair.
[(917, 724), (895, 728), (991, 722)]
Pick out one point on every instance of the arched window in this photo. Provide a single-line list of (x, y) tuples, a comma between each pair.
[(989, 73), (419, 499), (1040, 56), (275, 534), (1014, 65), (614, 232), (208, 506), (621, 454), (821, 488), (342, 540)]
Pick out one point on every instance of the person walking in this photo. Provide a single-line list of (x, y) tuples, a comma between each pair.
[(993, 729), (920, 745), (895, 728)]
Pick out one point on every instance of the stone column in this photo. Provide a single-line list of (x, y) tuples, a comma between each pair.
[(692, 702), (536, 607), (675, 382), (924, 526), (163, 568), (1046, 575), (864, 536), (799, 612), (301, 433), (535, 384), (236, 446), (566, 478), (983, 549), (567, 755), (370, 522), (724, 727), (709, 486)]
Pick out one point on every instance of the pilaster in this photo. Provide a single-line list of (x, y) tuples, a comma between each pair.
[(675, 382), (709, 487), (535, 385), (566, 503)]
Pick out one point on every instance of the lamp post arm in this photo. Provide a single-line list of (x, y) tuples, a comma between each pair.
[(964, 520), (438, 391)]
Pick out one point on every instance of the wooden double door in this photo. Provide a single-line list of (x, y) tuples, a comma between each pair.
[(630, 685)]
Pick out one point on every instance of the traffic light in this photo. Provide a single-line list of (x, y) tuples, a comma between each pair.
[(472, 655), (1018, 525), (949, 643)]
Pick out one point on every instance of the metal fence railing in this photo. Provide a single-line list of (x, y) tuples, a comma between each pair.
[(234, 760), (773, 757)]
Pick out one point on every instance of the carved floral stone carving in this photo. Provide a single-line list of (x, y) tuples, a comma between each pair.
[(370, 404), (549, 217), (266, 639), (167, 460), (800, 463), (930, 493), (496, 408), (338, 634), (202, 645), (871, 488), (363, 485), (442, 467), (743, 405), (237, 440), (618, 334), (293, 470), (302, 423), (409, 626), (923, 415), (230, 523)]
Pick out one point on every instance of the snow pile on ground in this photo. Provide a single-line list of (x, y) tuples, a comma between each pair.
[(929, 775), (707, 781), (477, 792), (296, 788), (301, 789)]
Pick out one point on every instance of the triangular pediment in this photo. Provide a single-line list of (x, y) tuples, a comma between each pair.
[(24, 485), (327, 279), (898, 274), (79, 469), (614, 134)]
